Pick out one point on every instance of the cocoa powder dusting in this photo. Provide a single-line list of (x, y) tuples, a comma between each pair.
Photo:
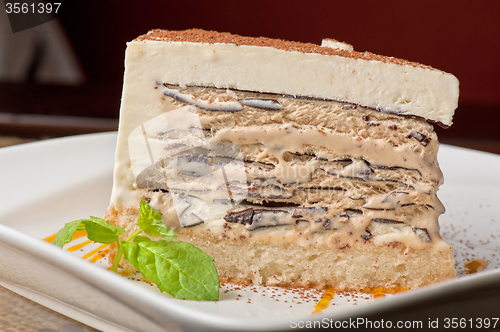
[(212, 37)]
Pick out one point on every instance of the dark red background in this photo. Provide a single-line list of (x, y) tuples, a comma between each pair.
[(460, 37)]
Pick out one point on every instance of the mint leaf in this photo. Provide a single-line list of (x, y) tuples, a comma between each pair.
[(131, 249), (176, 267), (66, 233), (142, 238), (143, 260), (150, 222), (100, 230)]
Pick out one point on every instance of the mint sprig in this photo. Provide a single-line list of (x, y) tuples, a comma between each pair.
[(150, 222), (178, 268)]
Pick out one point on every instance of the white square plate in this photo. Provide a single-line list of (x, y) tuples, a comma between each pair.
[(48, 183)]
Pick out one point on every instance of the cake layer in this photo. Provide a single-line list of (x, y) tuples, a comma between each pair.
[(350, 268), (282, 263), (223, 60)]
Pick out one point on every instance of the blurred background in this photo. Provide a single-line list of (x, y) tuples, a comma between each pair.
[(64, 77)]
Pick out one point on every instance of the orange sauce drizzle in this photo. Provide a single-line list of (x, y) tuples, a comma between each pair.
[(377, 293), (50, 239), (79, 246), (380, 292), (77, 235), (96, 251), (324, 302), (146, 281), (474, 266), (93, 256), (98, 256)]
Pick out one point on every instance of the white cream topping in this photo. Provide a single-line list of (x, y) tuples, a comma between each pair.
[(406, 89), (336, 45)]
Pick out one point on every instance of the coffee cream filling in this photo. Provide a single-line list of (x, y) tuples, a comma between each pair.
[(329, 145), (209, 178)]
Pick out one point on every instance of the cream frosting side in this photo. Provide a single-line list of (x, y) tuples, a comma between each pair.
[(428, 93)]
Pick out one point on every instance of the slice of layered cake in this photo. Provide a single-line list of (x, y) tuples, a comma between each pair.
[(290, 164)]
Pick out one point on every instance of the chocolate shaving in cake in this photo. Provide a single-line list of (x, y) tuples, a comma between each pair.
[(300, 212), (256, 218), (367, 235), (352, 213), (424, 140), (241, 217), (387, 221), (349, 107), (423, 234), (270, 204), (266, 218)]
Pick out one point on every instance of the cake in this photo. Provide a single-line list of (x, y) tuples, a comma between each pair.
[(290, 164)]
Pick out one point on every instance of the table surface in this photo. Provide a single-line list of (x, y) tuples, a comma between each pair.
[(20, 314)]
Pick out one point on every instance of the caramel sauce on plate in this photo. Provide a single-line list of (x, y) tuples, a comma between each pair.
[(93, 256), (325, 301), (377, 293), (77, 235), (474, 266)]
